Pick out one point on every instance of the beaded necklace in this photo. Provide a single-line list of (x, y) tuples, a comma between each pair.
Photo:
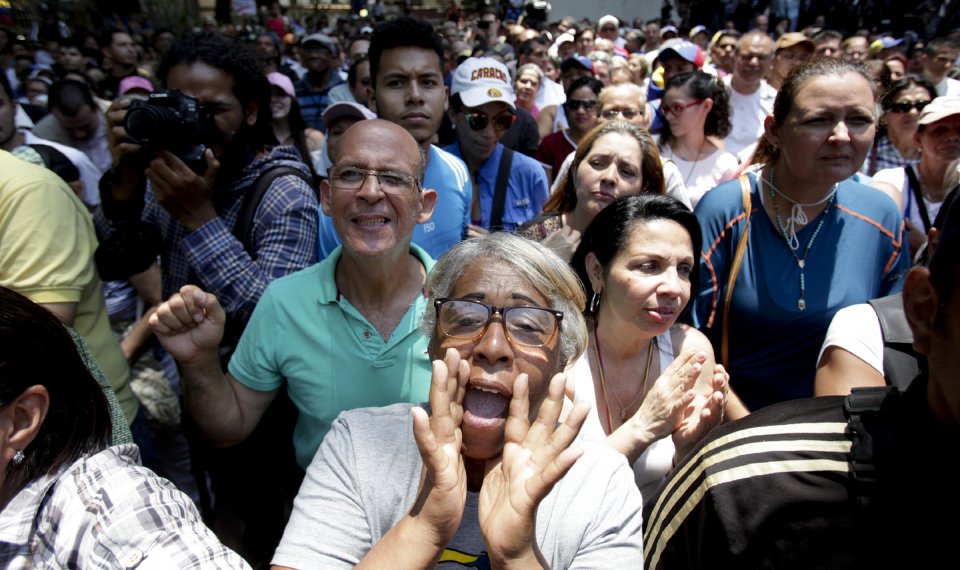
[(603, 386), (797, 215)]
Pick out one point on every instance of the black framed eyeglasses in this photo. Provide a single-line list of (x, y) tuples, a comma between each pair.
[(352, 179), (478, 121), (907, 106), (587, 104), (467, 319)]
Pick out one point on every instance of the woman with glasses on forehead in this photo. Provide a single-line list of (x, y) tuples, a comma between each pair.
[(581, 109), (696, 117), (894, 146), (485, 476)]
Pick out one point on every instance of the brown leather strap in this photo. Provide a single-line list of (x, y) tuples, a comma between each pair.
[(734, 271)]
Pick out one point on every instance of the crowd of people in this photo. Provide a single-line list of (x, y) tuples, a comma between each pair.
[(505, 289)]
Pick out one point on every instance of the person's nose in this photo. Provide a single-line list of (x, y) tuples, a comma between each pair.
[(841, 133), (370, 190), (493, 347), (671, 284), (415, 93)]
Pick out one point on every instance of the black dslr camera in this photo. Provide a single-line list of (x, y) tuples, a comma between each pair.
[(172, 121)]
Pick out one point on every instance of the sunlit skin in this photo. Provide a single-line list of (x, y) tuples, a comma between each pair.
[(409, 91), (494, 362), (610, 170), (826, 136)]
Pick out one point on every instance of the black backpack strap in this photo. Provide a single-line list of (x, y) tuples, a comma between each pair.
[(869, 419), (500, 190), (244, 227), (901, 364), (918, 196)]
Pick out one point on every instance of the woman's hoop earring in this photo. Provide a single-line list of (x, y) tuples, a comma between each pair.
[(594, 302)]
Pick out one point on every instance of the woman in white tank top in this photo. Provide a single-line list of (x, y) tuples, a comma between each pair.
[(653, 383)]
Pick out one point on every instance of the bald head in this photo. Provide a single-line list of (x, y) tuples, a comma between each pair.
[(365, 136)]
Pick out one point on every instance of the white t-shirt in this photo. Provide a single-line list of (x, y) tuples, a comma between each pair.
[(897, 177), (550, 93), (705, 174), (949, 87), (856, 329), (747, 113)]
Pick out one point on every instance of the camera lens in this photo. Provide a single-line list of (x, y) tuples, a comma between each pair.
[(148, 124)]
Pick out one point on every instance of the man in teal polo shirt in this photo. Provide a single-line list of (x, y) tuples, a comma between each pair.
[(341, 334)]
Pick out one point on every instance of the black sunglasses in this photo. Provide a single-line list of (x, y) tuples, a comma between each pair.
[(478, 121), (574, 104), (906, 106)]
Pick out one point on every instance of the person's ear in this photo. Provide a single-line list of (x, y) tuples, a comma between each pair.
[(428, 201), (446, 97), (933, 238), (708, 104), (22, 419), (772, 130), (326, 204), (594, 272), (250, 113), (920, 304)]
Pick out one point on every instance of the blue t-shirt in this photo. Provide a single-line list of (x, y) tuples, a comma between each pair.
[(448, 176), (527, 188), (859, 254)]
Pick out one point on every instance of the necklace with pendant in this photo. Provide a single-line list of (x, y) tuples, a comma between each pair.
[(603, 386), (789, 231)]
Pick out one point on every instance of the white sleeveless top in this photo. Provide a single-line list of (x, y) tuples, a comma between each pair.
[(650, 469)]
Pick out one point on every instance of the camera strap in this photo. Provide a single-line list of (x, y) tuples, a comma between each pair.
[(243, 229)]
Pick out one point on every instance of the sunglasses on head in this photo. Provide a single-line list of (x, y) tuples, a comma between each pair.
[(478, 121), (574, 104), (905, 106)]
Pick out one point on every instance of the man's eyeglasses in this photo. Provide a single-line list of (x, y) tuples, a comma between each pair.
[(478, 121), (574, 104), (350, 178), (466, 319), (627, 114), (677, 109), (906, 106)]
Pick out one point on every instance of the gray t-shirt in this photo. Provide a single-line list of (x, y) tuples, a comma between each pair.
[(364, 478)]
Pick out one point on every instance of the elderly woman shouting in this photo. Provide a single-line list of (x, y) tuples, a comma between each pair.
[(484, 476)]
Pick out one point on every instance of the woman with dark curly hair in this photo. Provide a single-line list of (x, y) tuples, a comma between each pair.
[(696, 116)]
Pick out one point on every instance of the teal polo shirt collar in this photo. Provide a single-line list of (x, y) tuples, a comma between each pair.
[(380, 353)]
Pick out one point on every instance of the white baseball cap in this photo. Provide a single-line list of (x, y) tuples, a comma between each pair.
[(480, 80)]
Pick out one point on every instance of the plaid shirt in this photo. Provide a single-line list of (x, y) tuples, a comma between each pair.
[(884, 155), (284, 238), (106, 511)]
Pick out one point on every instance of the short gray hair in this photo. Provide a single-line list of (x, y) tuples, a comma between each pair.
[(550, 275), (530, 67)]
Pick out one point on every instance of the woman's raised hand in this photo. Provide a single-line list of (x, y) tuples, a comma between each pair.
[(663, 407), (535, 456), (443, 485), (703, 414)]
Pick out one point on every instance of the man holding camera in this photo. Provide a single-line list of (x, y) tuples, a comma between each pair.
[(226, 211), (195, 204)]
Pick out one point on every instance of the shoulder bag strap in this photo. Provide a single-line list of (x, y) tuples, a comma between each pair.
[(901, 363), (918, 196), (735, 270), (500, 190), (251, 201)]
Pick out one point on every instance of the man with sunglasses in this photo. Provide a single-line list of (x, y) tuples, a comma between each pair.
[(511, 188)]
